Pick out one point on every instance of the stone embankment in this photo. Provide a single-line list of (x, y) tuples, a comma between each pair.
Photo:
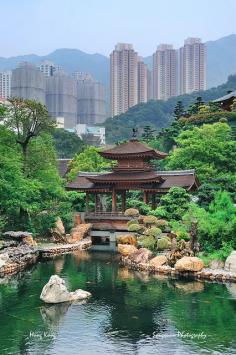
[(19, 250), (189, 267), (46, 251)]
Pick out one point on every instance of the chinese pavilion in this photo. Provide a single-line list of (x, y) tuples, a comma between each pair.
[(133, 171)]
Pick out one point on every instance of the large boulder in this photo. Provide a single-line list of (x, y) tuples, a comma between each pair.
[(126, 249), (58, 232), (230, 262), (189, 263), (216, 264), (29, 241), (159, 260), (141, 255), (127, 239), (55, 291), (79, 232)]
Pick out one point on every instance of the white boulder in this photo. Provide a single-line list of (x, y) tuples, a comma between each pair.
[(55, 291), (230, 262)]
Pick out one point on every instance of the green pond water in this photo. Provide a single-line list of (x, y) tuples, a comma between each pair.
[(128, 313)]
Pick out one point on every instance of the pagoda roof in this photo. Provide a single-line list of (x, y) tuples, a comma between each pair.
[(85, 181), (126, 177), (133, 148), (229, 96)]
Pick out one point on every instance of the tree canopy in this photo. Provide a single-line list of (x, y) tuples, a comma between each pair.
[(209, 149)]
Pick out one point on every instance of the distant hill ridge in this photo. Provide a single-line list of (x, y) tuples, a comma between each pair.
[(221, 61)]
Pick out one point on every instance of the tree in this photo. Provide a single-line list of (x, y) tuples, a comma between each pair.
[(31, 202), (28, 119), (195, 107), (88, 160), (179, 110), (209, 149), (67, 143), (148, 134)]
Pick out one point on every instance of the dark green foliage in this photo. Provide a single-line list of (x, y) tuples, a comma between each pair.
[(148, 134), (179, 110), (67, 144), (174, 204)]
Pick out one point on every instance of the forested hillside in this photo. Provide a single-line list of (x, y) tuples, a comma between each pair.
[(158, 114)]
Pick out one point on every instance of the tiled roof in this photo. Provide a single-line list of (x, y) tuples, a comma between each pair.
[(132, 148), (226, 97)]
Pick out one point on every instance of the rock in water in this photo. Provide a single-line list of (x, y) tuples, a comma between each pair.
[(126, 249), (55, 291), (159, 260), (189, 263), (230, 262), (142, 255)]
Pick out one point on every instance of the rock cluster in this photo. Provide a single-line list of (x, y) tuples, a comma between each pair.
[(18, 250), (55, 291), (78, 232)]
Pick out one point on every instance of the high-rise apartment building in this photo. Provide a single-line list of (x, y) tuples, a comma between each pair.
[(5, 84), (142, 81), (192, 58), (164, 72), (48, 68), (123, 78), (61, 98), (91, 103), (28, 82)]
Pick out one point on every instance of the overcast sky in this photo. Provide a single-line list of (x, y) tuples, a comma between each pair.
[(95, 26)]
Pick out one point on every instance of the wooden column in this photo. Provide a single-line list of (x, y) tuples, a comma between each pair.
[(114, 200), (87, 202), (96, 202), (154, 201), (145, 197), (123, 204)]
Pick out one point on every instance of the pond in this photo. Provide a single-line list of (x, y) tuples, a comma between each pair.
[(128, 313)]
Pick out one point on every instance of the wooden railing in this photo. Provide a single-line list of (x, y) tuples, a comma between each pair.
[(104, 214)]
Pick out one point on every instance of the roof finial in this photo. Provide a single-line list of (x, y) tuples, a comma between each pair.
[(135, 132)]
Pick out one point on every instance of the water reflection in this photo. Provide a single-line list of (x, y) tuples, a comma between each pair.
[(129, 311)]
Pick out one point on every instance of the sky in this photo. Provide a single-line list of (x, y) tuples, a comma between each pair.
[(95, 26)]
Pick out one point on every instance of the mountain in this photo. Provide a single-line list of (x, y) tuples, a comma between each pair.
[(158, 113), (221, 61), (70, 59)]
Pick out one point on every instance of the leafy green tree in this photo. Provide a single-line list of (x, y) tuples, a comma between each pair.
[(31, 202), (179, 110), (209, 149), (28, 119), (67, 143), (195, 107), (174, 204), (88, 160)]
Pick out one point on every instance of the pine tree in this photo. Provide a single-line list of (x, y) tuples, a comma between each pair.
[(179, 110), (148, 134)]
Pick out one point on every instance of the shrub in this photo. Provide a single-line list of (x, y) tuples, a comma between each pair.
[(132, 212), (183, 235), (149, 220), (159, 212), (148, 242), (154, 231), (135, 228), (163, 243), (132, 221)]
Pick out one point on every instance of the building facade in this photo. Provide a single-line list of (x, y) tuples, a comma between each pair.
[(48, 68), (123, 78), (28, 82), (164, 72), (142, 81), (91, 102), (61, 99), (192, 68), (5, 84)]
